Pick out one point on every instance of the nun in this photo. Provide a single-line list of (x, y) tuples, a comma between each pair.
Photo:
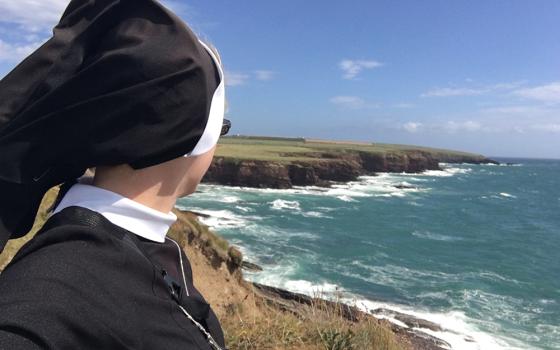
[(125, 87)]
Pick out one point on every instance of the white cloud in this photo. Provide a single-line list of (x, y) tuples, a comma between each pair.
[(14, 53), (448, 127), (32, 15), (412, 127), (446, 92), (471, 91), (28, 23), (236, 78), (469, 126), (554, 128), (511, 110), (264, 75), (404, 105), (549, 93), (354, 102), (352, 68), (240, 78)]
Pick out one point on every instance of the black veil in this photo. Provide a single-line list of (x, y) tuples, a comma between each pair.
[(119, 82)]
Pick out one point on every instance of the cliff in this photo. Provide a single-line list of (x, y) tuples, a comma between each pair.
[(283, 163)]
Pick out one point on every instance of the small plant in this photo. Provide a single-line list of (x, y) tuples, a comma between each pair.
[(333, 339)]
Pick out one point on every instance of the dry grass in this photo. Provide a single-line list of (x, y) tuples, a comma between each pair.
[(317, 326), (14, 245)]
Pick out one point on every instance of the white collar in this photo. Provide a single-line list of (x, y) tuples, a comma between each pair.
[(133, 216)]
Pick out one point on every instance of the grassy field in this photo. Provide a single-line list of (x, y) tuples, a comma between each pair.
[(288, 150)]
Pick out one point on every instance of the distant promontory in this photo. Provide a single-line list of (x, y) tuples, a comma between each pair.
[(270, 162)]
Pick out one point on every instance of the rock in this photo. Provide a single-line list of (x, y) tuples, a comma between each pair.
[(409, 320), (423, 341), (250, 266), (292, 302), (202, 215), (235, 255), (405, 187), (302, 175)]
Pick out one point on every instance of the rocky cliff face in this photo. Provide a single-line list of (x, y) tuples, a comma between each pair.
[(324, 169)]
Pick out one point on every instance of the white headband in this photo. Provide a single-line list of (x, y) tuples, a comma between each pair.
[(216, 117)]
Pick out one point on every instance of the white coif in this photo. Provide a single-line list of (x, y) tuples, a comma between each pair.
[(216, 118)]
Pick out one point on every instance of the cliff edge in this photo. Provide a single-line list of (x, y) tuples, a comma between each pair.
[(283, 163)]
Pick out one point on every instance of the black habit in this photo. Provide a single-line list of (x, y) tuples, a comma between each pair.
[(85, 283)]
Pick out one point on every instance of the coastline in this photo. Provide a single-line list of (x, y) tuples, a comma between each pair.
[(418, 332), (408, 328), (285, 163), (324, 169), (430, 319)]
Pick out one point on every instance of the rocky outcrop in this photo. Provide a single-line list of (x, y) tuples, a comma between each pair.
[(465, 158), (409, 162), (325, 168), (248, 173)]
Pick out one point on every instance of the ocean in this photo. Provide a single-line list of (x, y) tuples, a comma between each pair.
[(474, 248)]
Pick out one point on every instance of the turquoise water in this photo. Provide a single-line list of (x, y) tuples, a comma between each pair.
[(474, 248)]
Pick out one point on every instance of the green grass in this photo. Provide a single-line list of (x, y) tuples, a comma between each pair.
[(289, 150)]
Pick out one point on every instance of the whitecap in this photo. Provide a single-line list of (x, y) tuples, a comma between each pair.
[(459, 330), (392, 194), (229, 199), (346, 198), (220, 219), (446, 172), (507, 195), (435, 236), (315, 214), (270, 233), (244, 209), (281, 204), (391, 185), (310, 288)]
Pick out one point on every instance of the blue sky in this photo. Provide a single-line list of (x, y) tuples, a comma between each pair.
[(480, 76)]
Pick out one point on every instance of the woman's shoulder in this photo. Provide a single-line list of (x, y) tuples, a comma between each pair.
[(63, 240), (70, 280), (68, 255)]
